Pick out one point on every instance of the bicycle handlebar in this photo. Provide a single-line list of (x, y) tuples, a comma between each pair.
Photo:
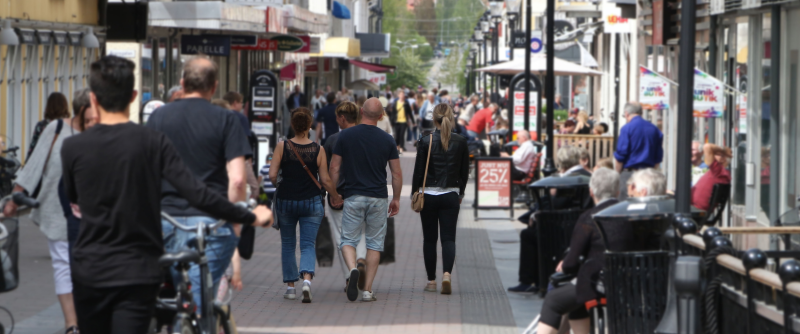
[(11, 150), (167, 217), (22, 199)]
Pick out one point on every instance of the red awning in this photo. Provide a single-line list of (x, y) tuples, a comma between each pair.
[(289, 72), (377, 68)]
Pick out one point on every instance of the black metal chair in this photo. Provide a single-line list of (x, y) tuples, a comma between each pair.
[(719, 199)]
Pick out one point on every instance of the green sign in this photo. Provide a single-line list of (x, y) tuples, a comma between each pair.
[(288, 43)]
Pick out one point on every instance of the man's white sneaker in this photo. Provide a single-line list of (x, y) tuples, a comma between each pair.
[(368, 296), (306, 293), (290, 294)]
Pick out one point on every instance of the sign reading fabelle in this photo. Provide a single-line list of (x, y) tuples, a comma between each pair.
[(211, 45), (614, 23)]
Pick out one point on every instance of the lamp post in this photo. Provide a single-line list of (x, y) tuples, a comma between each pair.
[(550, 83), (526, 114), (485, 38), (512, 12), (496, 10)]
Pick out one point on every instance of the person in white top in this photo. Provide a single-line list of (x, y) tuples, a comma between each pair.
[(318, 101), (469, 110), (523, 157)]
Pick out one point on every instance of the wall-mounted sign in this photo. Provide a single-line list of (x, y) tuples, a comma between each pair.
[(708, 95), (288, 43), (518, 40), (614, 23), (211, 45), (653, 90), (263, 44), (243, 40), (536, 45)]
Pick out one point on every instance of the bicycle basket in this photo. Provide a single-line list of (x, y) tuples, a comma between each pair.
[(9, 253)]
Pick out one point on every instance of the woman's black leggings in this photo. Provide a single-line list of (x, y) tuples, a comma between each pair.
[(560, 301), (440, 214)]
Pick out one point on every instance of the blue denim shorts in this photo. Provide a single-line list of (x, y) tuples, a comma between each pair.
[(364, 212)]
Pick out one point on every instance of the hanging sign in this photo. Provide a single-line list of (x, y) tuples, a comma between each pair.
[(210, 45), (613, 22), (518, 40), (708, 95), (288, 43), (653, 90)]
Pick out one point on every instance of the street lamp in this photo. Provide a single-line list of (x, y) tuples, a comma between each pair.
[(496, 10), (512, 11)]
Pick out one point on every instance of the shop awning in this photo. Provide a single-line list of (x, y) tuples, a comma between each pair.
[(213, 15), (377, 68), (340, 11), (340, 47)]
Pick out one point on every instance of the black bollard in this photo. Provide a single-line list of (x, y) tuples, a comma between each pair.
[(751, 259), (669, 321), (687, 287)]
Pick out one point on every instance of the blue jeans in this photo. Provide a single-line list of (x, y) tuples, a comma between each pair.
[(367, 212), (220, 245), (308, 213)]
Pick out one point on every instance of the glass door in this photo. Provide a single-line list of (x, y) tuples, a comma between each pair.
[(789, 106)]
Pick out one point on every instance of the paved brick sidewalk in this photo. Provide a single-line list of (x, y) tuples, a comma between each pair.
[(478, 304)]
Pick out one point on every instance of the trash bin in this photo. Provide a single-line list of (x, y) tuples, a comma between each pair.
[(635, 276), (556, 218)]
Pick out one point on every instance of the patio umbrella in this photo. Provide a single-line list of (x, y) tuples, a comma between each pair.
[(363, 85), (539, 66)]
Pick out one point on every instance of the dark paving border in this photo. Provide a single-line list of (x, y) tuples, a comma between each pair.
[(484, 303)]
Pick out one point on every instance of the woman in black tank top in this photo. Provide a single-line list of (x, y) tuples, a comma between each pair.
[(303, 172)]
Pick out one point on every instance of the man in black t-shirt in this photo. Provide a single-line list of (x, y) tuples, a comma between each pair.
[(113, 172), (213, 145), (326, 120), (362, 153)]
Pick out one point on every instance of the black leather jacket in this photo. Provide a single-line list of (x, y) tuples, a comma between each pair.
[(448, 169)]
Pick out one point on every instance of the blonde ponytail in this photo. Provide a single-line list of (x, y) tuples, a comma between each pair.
[(443, 115)]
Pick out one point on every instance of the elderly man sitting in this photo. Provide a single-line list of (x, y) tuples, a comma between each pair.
[(568, 163), (524, 156), (586, 242)]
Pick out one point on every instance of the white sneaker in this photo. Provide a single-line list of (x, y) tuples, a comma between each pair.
[(368, 296), (306, 293), (291, 294)]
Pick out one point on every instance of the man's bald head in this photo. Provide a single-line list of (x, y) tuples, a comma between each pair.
[(523, 136), (372, 109), (199, 76)]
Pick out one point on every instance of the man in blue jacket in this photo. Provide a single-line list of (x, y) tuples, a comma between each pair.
[(639, 145)]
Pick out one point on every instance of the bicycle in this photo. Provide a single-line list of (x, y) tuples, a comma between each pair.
[(9, 165), (183, 305), (9, 247)]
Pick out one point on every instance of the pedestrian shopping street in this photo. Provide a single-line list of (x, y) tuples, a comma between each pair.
[(486, 264)]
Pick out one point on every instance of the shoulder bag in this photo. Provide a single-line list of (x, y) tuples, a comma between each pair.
[(418, 199), (36, 191)]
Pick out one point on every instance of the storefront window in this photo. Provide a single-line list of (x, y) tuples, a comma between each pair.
[(790, 79), (147, 72), (764, 86)]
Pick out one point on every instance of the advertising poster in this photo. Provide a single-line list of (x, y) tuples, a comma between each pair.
[(708, 95), (519, 110), (653, 90), (494, 183)]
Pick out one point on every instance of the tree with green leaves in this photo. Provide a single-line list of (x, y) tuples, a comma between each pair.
[(410, 69)]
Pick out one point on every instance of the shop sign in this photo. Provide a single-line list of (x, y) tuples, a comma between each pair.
[(210, 45), (264, 87), (653, 90), (312, 65), (493, 183), (518, 40), (519, 111), (130, 54), (377, 78), (708, 95), (244, 40), (262, 45), (288, 43), (614, 23), (306, 48), (741, 106)]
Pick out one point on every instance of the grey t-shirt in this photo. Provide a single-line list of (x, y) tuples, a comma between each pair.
[(50, 215)]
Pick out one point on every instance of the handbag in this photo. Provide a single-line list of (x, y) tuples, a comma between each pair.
[(38, 188), (418, 199)]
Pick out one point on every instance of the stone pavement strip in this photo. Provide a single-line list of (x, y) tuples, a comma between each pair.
[(479, 303)]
